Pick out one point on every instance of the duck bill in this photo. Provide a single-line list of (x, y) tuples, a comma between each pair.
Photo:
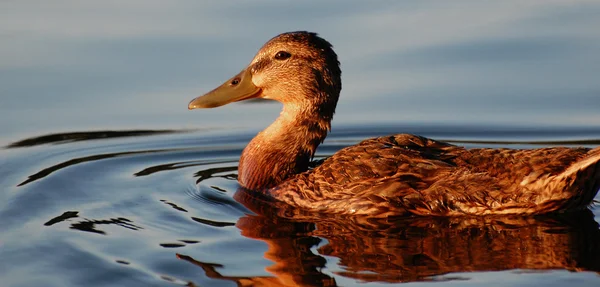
[(235, 89)]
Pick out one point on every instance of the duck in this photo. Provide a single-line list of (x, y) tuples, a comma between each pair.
[(395, 175)]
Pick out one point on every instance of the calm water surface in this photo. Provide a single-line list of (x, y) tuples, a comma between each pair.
[(107, 180)]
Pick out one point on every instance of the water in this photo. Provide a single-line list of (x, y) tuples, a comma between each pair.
[(107, 180)]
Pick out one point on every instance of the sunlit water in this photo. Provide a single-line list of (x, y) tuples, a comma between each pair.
[(107, 180)]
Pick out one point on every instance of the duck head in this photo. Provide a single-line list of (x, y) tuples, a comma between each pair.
[(295, 68)]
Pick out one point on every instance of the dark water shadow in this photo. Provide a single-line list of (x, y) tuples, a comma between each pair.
[(145, 172), (49, 170), (61, 138), (90, 225)]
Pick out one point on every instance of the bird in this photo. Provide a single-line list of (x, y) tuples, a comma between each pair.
[(394, 175)]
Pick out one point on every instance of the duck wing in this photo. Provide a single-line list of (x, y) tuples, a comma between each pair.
[(408, 174)]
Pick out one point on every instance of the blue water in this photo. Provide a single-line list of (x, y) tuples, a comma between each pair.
[(107, 180)]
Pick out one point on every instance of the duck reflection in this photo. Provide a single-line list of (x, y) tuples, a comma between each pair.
[(409, 249)]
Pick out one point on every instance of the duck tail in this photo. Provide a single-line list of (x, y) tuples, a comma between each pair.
[(581, 180)]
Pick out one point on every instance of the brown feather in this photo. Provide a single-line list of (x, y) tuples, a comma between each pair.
[(406, 174)]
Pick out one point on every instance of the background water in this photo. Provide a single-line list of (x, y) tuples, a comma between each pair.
[(107, 180)]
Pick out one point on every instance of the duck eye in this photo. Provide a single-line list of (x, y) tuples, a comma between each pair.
[(282, 55)]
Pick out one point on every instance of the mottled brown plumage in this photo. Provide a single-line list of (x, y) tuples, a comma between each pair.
[(386, 176)]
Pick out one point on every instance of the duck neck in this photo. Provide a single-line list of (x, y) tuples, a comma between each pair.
[(285, 148)]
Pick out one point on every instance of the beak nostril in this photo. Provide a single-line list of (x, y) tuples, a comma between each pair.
[(235, 81)]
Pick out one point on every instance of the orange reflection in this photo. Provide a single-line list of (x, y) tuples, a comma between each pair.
[(411, 249)]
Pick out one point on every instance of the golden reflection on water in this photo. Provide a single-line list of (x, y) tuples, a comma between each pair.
[(410, 249)]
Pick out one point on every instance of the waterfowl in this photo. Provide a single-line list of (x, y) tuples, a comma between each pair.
[(394, 175)]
